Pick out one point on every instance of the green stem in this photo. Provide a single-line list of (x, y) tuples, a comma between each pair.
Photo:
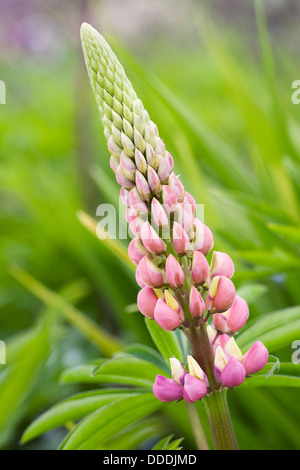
[(219, 420), (215, 401)]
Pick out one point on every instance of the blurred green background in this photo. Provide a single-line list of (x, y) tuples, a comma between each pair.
[(216, 78)]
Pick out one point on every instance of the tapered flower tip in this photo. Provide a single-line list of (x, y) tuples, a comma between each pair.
[(136, 202), (195, 370), (184, 216), (169, 199), (174, 272), (136, 251), (256, 358), (196, 303), (158, 213), (194, 389), (208, 240), (237, 315), (151, 241), (200, 268), (181, 240), (150, 274), (124, 196), (220, 295), (232, 350), (167, 390), (165, 316), (221, 265), (220, 322), (138, 277), (233, 374), (146, 301), (175, 184), (188, 199), (142, 185), (178, 371)]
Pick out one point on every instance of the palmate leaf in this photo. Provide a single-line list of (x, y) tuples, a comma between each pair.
[(72, 409), (106, 422)]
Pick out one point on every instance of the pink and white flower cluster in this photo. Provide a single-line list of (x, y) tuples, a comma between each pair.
[(231, 369)]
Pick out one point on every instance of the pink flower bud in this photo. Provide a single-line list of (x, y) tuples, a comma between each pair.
[(237, 315), (150, 274), (194, 389), (165, 316), (153, 181), (159, 215), (200, 268), (169, 199), (181, 240), (138, 277), (151, 157), (188, 199), (146, 301), (220, 295), (256, 358), (130, 215), (123, 180), (207, 240), (233, 374), (136, 251), (184, 216), (221, 265), (136, 202), (128, 166), (151, 240), (164, 168), (174, 272), (220, 322), (196, 305), (114, 163), (142, 186), (136, 225), (140, 161), (167, 390), (124, 196), (177, 186)]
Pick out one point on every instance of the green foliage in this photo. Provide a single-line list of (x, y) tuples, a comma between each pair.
[(233, 132)]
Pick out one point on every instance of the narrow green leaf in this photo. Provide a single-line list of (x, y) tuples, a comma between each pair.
[(129, 370), (103, 424), (166, 341), (71, 409)]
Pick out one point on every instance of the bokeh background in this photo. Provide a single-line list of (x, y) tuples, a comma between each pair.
[(216, 78)]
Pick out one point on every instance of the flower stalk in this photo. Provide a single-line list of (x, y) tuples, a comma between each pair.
[(179, 288)]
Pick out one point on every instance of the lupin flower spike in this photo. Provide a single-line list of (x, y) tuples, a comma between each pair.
[(177, 284)]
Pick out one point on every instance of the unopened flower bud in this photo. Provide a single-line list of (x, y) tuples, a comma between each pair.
[(174, 272), (146, 301), (177, 370), (151, 241), (220, 295), (256, 358), (221, 265), (181, 240), (233, 374), (194, 389), (196, 303), (165, 316), (167, 390), (149, 273), (200, 268)]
